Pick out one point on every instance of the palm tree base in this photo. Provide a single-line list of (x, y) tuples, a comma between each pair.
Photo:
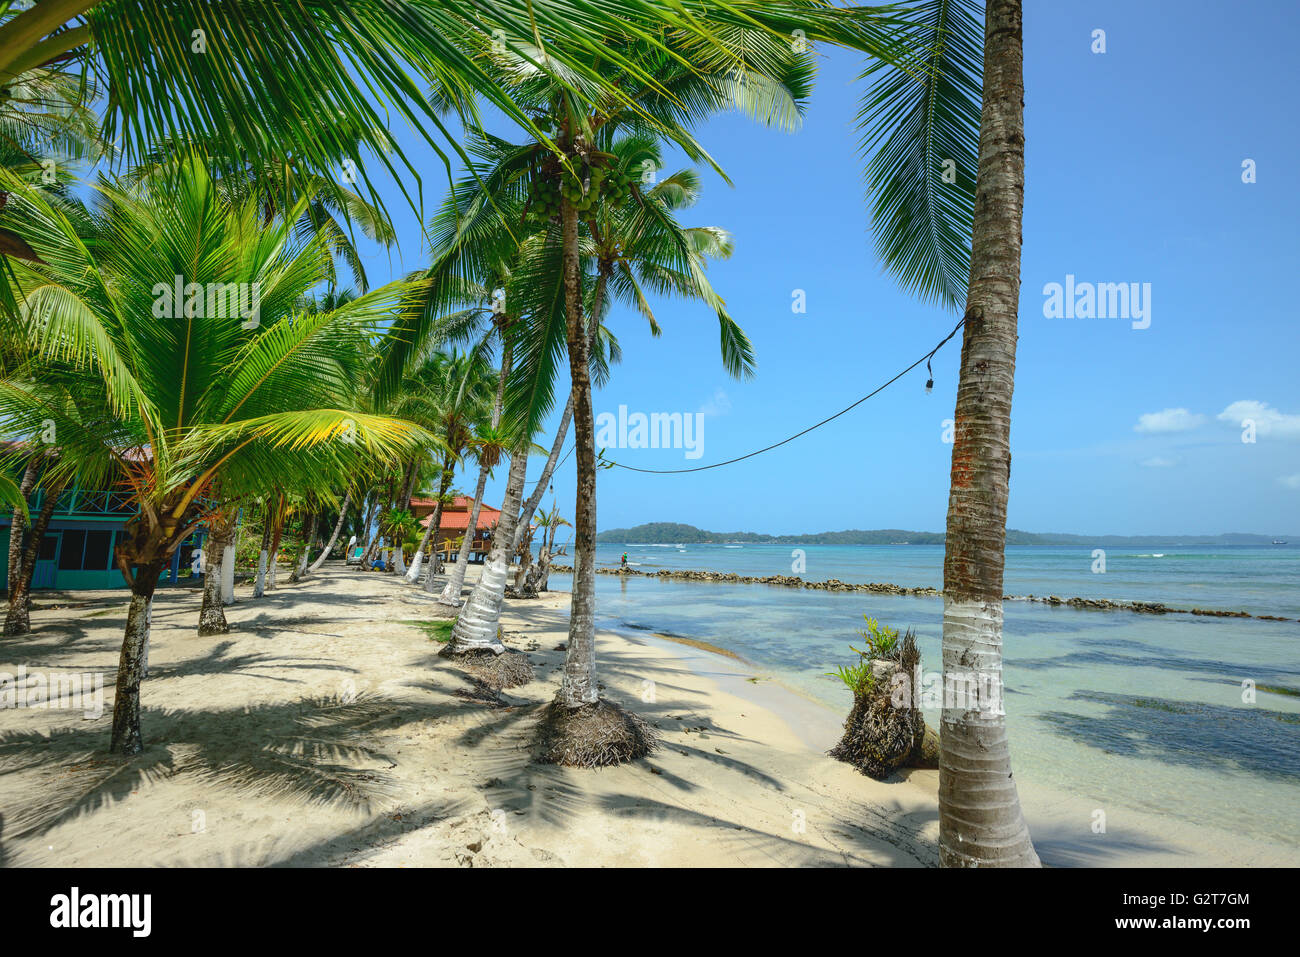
[(214, 625), (594, 736), (510, 669), (880, 734), (880, 738)]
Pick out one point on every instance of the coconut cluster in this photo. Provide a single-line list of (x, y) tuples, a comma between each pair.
[(593, 184)]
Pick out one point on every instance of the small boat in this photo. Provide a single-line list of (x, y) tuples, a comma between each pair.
[(1278, 541)]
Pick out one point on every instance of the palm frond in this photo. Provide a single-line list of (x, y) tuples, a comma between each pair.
[(920, 126)]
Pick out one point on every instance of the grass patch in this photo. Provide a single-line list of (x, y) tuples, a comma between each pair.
[(438, 630)]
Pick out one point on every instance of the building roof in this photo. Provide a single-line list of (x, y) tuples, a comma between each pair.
[(455, 514)]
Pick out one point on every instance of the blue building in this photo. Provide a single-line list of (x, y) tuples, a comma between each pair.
[(77, 549)]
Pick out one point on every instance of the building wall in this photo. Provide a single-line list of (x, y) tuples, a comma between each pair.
[(79, 557)]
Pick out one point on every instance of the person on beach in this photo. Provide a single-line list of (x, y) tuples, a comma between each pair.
[(623, 563)]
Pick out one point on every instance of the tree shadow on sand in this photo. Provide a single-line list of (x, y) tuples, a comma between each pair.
[(316, 750), (217, 660)]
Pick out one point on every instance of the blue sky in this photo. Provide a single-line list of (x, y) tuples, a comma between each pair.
[(1134, 175)]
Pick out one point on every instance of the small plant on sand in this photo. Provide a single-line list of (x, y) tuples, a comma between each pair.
[(882, 640), (881, 645), (859, 678)]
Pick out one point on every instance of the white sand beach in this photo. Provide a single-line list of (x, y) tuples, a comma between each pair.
[(324, 729)]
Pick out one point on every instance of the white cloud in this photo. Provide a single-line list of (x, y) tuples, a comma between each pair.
[(720, 404), (1168, 420), (1268, 420), (1291, 481), (1159, 462)]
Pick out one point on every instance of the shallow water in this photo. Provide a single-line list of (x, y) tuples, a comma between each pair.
[(1133, 711)]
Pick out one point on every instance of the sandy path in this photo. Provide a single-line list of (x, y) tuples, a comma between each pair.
[(325, 730)]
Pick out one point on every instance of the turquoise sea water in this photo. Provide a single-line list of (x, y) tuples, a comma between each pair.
[(1134, 711)]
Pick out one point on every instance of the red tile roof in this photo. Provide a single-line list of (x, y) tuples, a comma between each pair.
[(455, 514)]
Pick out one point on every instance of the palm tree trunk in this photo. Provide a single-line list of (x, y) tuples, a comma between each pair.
[(456, 580), (578, 685), (334, 537), (228, 564), (408, 484), (476, 627), (131, 665), (281, 512), (980, 820), (373, 540), (534, 500), (309, 532), (432, 528), (525, 552), (263, 555), (18, 619), (593, 326), (212, 614), (398, 565), (543, 566), (18, 524), (435, 520)]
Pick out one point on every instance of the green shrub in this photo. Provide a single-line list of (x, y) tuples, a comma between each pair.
[(882, 640), (881, 643), (859, 678)]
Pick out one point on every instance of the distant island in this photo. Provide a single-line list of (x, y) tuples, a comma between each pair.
[(657, 533)]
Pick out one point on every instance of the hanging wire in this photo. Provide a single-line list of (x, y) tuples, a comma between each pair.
[(557, 465), (610, 463)]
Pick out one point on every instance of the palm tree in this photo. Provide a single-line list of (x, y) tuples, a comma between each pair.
[(397, 525), (44, 129), (481, 223), (334, 535), (456, 386), (277, 184), (218, 547), (981, 822), (488, 447), (178, 82), (18, 615), (916, 118), (264, 552), (550, 523), (674, 260), (202, 409), (487, 444)]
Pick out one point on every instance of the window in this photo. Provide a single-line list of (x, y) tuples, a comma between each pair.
[(74, 543), (99, 545), (49, 548)]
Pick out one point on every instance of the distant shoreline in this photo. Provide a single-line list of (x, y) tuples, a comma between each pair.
[(661, 533)]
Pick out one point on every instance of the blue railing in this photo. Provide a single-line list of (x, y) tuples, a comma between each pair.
[(87, 502)]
